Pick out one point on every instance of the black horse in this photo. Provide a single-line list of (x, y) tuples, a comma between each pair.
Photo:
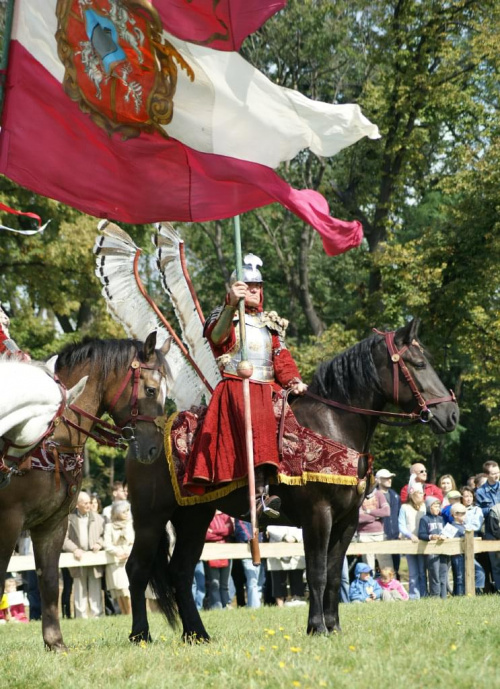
[(384, 368)]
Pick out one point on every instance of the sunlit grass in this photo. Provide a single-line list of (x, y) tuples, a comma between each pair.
[(420, 643)]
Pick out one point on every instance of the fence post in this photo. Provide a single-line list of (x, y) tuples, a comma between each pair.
[(470, 577)]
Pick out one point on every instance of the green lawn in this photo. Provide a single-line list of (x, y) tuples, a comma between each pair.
[(430, 643)]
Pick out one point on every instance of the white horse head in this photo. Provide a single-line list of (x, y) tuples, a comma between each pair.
[(29, 401)]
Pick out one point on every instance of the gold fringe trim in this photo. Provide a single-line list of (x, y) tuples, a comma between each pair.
[(183, 500), (317, 478)]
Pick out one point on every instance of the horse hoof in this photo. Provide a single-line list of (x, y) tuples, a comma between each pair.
[(142, 637), (57, 648), (194, 638), (314, 631), (334, 630)]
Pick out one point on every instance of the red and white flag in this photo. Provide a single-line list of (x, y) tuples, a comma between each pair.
[(113, 114)]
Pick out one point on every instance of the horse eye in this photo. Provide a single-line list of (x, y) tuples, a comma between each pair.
[(150, 392), (420, 365)]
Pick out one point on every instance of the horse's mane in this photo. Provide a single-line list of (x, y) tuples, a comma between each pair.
[(351, 372), (106, 355)]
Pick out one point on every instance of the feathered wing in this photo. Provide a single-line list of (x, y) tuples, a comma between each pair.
[(176, 282), (116, 254)]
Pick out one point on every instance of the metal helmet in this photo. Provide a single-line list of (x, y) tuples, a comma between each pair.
[(251, 272)]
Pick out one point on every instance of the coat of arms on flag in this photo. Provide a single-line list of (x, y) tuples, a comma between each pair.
[(118, 66)]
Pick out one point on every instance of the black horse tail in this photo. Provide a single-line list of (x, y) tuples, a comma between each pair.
[(160, 582)]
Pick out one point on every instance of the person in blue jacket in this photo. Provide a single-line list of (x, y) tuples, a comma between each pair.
[(364, 588), (429, 529)]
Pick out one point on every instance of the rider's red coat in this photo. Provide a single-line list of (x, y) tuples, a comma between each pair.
[(219, 453)]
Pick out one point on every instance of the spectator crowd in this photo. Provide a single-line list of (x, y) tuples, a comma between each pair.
[(422, 511)]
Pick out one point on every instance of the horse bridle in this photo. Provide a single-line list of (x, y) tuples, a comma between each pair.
[(424, 415), (111, 434)]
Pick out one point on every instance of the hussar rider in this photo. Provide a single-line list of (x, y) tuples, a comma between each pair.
[(219, 454)]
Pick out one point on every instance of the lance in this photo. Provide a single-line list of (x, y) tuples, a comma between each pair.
[(245, 370)]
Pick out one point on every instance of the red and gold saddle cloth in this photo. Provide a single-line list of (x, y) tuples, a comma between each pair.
[(306, 456)]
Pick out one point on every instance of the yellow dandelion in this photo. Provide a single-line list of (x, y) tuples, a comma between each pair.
[(453, 647), (295, 649), (352, 648), (163, 638), (262, 648), (295, 683), (143, 644), (270, 632), (285, 636), (322, 683), (282, 629), (282, 664), (274, 647)]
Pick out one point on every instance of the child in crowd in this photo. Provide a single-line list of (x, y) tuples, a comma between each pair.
[(392, 589), (118, 541), (364, 588), (12, 603), (429, 529), (458, 515), (453, 497)]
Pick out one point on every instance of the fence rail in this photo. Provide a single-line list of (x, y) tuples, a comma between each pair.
[(468, 546)]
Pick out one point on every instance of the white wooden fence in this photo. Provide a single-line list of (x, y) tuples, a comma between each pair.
[(468, 546)]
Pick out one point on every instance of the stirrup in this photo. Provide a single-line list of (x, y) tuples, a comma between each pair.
[(268, 506)]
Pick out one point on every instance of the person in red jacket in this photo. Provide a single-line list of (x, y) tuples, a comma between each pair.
[(219, 454), (7, 344), (418, 476)]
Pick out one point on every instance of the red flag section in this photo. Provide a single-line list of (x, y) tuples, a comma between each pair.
[(194, 151), (220, 24)]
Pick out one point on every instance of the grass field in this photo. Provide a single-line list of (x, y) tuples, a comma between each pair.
[(430, 643)]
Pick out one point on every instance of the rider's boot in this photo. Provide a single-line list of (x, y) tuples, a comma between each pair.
[(268, 506)]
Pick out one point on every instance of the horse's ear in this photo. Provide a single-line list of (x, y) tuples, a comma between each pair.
[(408, 333), (76, 390), (165, 348), (150, 346)]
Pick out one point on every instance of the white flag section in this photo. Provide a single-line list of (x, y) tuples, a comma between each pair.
[(230, 108)]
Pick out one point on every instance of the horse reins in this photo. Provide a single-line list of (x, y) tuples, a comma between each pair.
[(424, 415)]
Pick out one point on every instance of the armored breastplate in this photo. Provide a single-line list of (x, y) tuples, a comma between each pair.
[(259, 347)]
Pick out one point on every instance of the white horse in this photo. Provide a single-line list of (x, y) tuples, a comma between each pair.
[(29, 401)]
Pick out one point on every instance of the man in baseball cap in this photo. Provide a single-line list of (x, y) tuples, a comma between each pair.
[(383, 479)]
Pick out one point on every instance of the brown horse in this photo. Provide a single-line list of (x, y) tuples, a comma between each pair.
[(126, 378), (390, 368)]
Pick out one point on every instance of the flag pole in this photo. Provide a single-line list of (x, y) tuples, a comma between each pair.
[(9, 17), (245, 370)]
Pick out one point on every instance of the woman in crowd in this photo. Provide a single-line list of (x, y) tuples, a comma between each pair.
[(286, 571), (446, 483), (474, 517), (118, 541), (409, 519)]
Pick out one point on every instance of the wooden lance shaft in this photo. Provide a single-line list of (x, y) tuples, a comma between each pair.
[(245, 370)]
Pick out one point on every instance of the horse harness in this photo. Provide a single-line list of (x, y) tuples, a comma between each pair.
[(109, 435), (422, 412)]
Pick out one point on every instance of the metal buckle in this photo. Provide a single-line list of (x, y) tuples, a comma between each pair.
[(425, 415), (128, 433)]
